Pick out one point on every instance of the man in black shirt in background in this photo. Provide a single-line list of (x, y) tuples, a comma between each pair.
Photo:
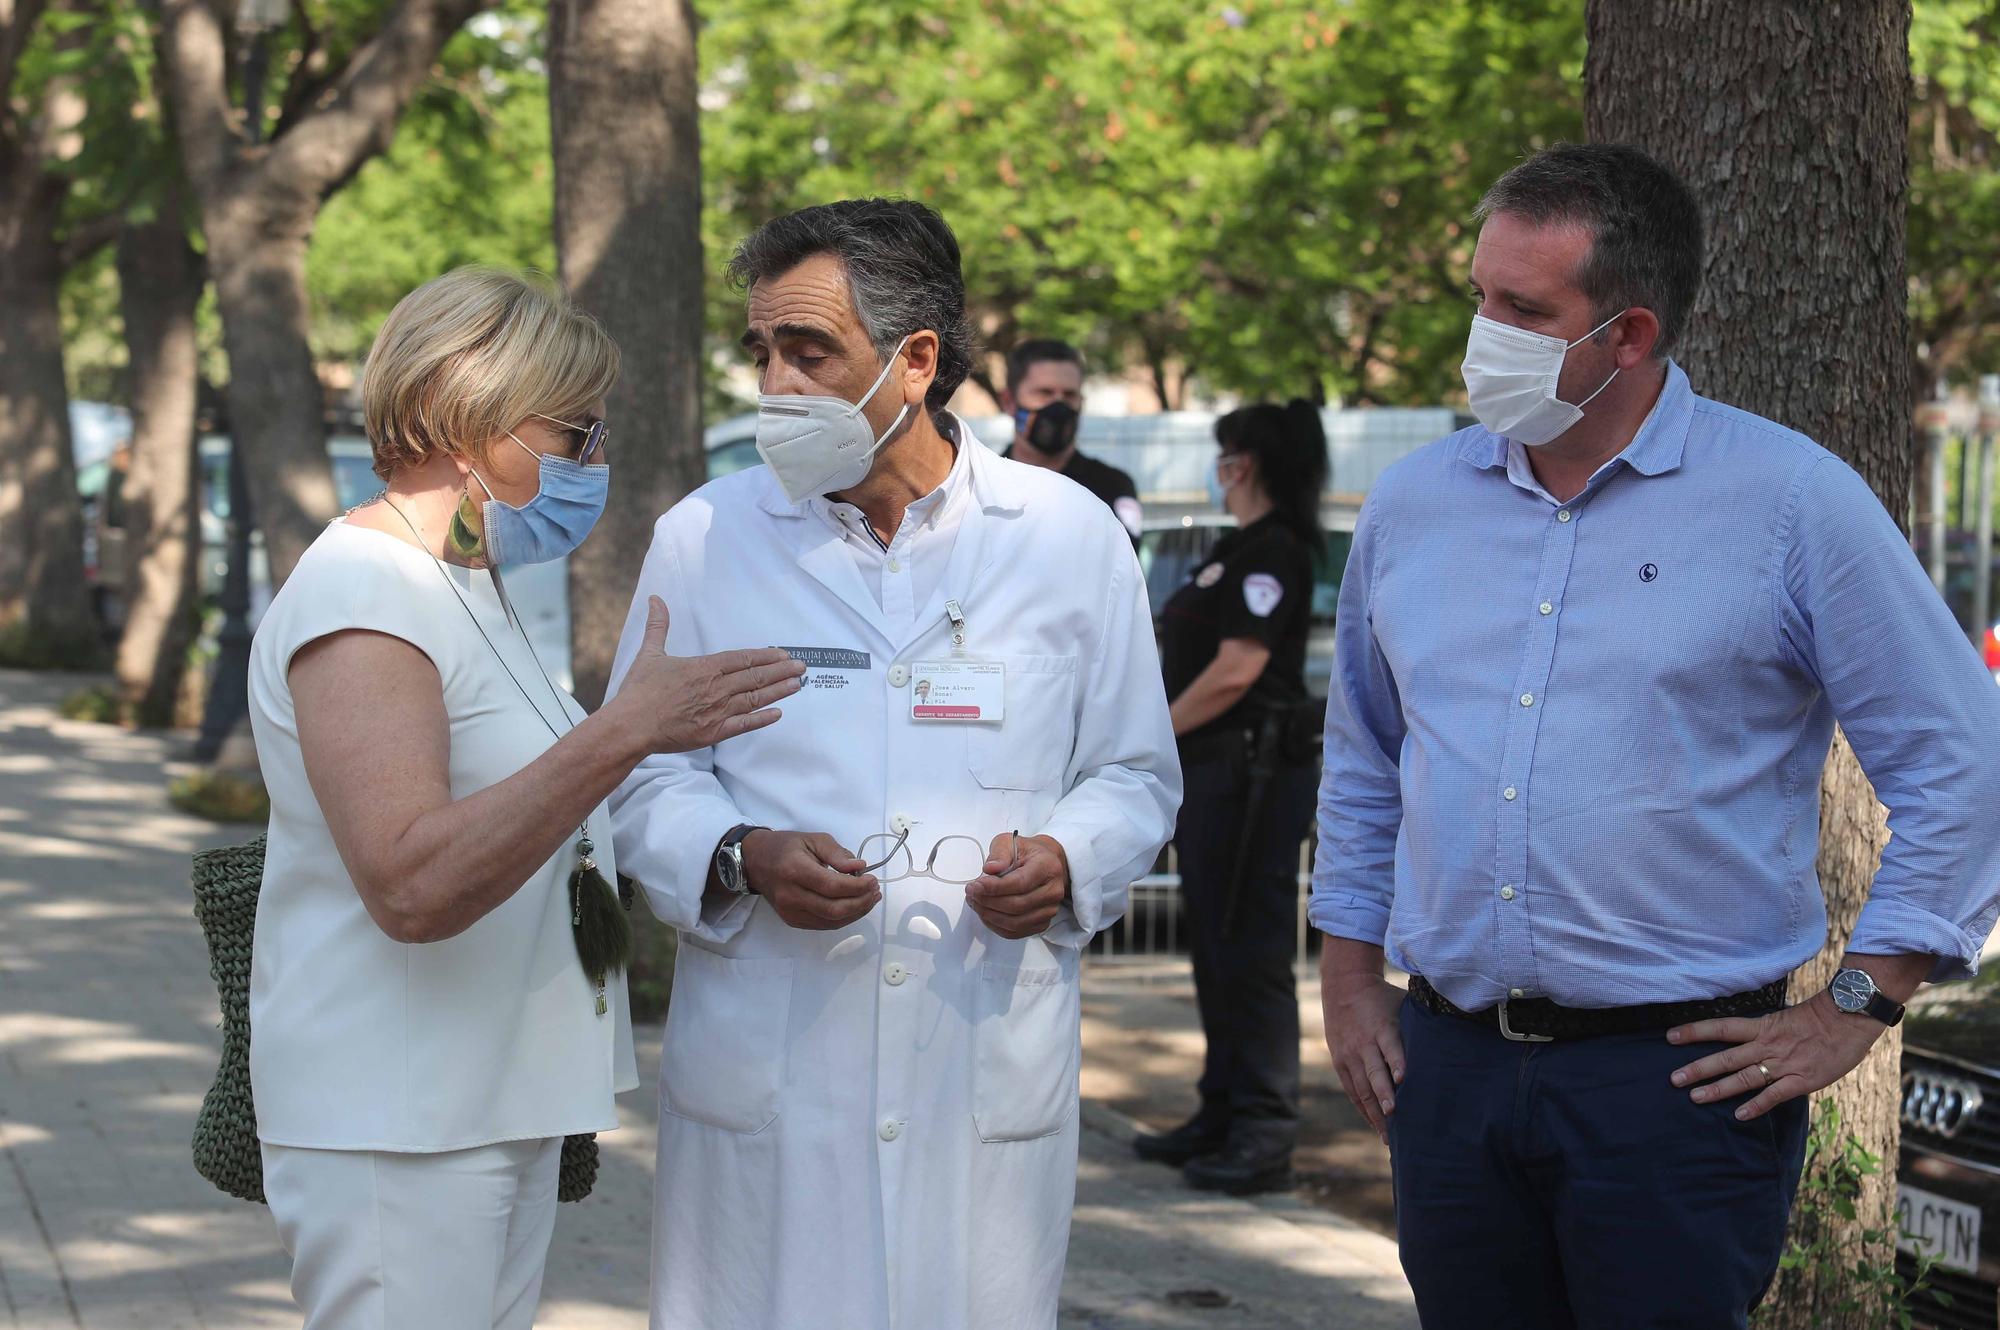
[(1044, 394)]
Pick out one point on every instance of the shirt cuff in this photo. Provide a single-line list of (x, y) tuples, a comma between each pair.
[(1065, 930), (1345, 915), (1891, 927), (682, 901), (1080, 918)]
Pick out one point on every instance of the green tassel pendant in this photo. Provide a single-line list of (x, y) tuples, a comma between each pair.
[(464, 534), (603, 933)]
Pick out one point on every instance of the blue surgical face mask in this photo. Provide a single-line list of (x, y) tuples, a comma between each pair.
[(1218, 493), (551, 524)]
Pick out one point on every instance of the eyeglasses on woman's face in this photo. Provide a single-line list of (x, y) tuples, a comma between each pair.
[(586, 442)]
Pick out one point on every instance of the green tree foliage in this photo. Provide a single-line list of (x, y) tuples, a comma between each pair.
[(1272, 195), (1954, 190), (467, 180)]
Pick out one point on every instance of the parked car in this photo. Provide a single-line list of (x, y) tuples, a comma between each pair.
[(1171, 550), (1948, 1179)]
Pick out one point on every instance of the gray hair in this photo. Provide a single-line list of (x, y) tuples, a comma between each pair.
[(1645, 250), (902, 267)]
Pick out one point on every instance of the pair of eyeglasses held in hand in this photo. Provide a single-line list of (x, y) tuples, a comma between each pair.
[(956, 861)]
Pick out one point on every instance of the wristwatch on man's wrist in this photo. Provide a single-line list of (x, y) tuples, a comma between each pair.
[(729, 862), (1854, 992)]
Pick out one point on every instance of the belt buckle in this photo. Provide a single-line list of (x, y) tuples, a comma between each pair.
[(1507, 1031)]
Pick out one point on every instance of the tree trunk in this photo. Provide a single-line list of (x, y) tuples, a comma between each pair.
[(159, 284), (1788, 118), (628, 241), (44, 598), (257, 241), (259, 202)]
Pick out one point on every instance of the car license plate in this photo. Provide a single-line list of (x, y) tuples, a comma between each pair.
[(1945, 1229)]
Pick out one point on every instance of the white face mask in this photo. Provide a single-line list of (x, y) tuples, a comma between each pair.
[(1510, 377), (821, 445)]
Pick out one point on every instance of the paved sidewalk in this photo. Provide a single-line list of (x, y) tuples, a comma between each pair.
[(108, 1036)]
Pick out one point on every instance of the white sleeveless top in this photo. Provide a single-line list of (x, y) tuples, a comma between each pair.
[(360, 1042)]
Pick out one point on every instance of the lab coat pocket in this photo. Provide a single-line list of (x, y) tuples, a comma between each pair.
[(723, 1060), (1030, 748), (1026, 1051)]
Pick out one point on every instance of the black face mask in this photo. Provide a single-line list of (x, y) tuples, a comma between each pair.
[(1051, 429)]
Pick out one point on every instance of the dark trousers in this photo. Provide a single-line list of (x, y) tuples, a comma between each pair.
[(1569, 1186), (1243, 968)]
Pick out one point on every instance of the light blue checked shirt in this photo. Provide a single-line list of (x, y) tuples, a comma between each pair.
[(1573, 749)]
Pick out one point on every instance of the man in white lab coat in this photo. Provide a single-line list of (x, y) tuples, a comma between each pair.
[(869, 1081)]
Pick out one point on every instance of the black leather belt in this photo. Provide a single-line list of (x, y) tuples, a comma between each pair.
[(1540, 1021)]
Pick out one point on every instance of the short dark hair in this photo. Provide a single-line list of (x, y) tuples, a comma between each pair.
[(1035, 352), (902, 269), (1645, 226)]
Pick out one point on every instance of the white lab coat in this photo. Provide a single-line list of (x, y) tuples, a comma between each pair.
[(876, 1128)]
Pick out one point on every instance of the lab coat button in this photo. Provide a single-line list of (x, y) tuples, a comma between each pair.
[(894, 974), (898, 675), (890, 1129), (901, 823)]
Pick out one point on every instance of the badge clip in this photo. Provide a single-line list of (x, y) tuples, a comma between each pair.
[(954, 612)]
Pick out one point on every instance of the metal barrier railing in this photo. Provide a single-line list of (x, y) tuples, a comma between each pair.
[(1152, 928)]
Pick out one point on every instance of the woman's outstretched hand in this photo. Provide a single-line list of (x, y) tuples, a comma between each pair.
[(681, 703)]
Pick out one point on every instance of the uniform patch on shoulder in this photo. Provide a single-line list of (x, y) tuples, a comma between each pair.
[(1262, 592), (1208, 576)]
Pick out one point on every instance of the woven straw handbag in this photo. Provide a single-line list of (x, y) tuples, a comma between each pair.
[(225, 1131)]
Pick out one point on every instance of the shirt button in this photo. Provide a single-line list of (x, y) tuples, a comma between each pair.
[(894, 974), (895, 566), (898, 675), (1516, 993), (1508, 794), (1506, 893), (1563, 516), (1547, 608), (1527, 699), (890, 1129)]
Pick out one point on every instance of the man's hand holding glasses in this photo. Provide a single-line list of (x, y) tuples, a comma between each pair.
[(814, 882), (809, 878), (1026, 881)]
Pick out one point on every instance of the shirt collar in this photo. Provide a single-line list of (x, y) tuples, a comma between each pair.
[(924, 512), (1655, 450)]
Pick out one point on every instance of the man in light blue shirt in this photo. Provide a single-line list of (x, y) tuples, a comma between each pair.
[(1590, 657)]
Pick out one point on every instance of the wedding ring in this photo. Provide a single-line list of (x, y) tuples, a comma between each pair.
[(1766, 1072)]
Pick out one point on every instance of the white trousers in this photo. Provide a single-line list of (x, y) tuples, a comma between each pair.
[(451, 1241)]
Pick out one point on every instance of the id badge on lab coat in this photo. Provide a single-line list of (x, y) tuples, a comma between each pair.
[(964, 690)]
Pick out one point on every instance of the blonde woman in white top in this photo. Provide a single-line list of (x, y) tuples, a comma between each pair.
[(436, 992)]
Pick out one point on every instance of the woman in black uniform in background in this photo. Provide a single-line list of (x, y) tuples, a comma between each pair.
[(1233, 645)]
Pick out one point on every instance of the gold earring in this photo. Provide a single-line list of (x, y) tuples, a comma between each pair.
[(465, 535)]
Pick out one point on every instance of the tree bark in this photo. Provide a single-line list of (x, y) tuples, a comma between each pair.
[(258, 205), (44, 598), (160, 282), (622, 89), (1788, 118)]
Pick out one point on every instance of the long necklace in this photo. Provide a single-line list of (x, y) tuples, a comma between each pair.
[(602, 934)]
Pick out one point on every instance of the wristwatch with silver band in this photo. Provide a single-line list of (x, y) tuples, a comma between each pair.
[(1854, 992), (729, 861)]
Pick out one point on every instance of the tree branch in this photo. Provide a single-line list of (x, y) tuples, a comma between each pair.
[(311, 77), (92, 234), (194, 57), (327, 146), (17, 25)]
